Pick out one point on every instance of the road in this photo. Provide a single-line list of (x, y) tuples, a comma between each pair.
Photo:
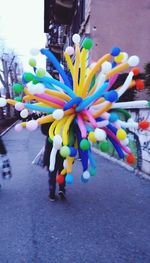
[(106, 220)]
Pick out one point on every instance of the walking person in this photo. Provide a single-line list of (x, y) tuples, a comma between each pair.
[(57, 169)]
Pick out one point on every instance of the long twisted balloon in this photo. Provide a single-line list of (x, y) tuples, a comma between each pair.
[(81, 107)]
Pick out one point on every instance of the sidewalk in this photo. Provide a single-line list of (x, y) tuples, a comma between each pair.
[(105, 220)]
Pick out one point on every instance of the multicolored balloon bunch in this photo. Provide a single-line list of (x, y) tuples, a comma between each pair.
[(80, 105)]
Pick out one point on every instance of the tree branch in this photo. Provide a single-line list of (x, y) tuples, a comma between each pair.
[(1, 79)]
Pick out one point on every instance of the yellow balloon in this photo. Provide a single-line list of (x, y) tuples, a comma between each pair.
[(52, 128), (69, 62), (60, 125), (57, 94), (119, 58), (63, 172), (92, 137), (69, 164), (76, 69), (93, 71), (10, 101), (82, 71), (121, 134), (45, 119), (117, 69)]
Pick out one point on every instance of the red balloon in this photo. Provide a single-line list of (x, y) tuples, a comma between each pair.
[(136, 71), (139, 84), (60, 179), (144, 125), (131, 158)]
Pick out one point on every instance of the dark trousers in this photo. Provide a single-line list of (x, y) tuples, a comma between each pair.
[(52, 175)]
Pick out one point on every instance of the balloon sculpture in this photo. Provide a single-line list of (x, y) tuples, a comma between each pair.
[(81, 106)]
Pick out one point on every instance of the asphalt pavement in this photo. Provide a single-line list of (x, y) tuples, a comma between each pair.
[(106, 220)]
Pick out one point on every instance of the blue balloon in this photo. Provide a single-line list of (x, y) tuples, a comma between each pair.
[(82, 154), (39, 108), (91, 159), (111, 96), (93, 97), (115, 51), (113, 64), (57, 83), (73, 151), (57, 65), (74, 101), (113, 117), (69, 178), (92, 171), (117, 147)]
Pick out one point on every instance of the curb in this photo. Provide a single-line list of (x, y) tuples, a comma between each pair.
[(8, 128), (121, 163)]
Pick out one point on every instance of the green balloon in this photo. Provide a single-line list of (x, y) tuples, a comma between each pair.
[(64, 151), (17, 87), (28, 76), (88, 43), (40, 72), (84, 144), (104, 146), (34, 81), (32, 62), (18, 99)]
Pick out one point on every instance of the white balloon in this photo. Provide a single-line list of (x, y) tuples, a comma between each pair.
[(24, 113), (39, 87), (32, 89), (52, 159), (133, 61), (19, 106), (57, 141), (100, 134), (32, 125), (69, 50), (58, 114), (3, 102), (125, 141), (76, 38), (86, 175), (65, 164), (106, 66)]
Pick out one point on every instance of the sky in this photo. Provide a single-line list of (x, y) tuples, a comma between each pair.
[(22, 28)]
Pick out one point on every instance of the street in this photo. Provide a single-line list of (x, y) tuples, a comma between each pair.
[(106, 220)]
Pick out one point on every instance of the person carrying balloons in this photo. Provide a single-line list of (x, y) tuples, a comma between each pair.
[(53, 175)]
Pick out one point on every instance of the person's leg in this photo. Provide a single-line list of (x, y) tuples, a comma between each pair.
[(52, 176), (52, 184), (62, 189)]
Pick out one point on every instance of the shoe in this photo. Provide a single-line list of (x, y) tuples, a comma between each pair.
[(62, 195), (52, 197)]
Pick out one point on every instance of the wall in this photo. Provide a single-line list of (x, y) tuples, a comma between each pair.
[(139, 141), (143, 140), (121, 23)]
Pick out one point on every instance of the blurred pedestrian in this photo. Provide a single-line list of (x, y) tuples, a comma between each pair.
[(5, 168)]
